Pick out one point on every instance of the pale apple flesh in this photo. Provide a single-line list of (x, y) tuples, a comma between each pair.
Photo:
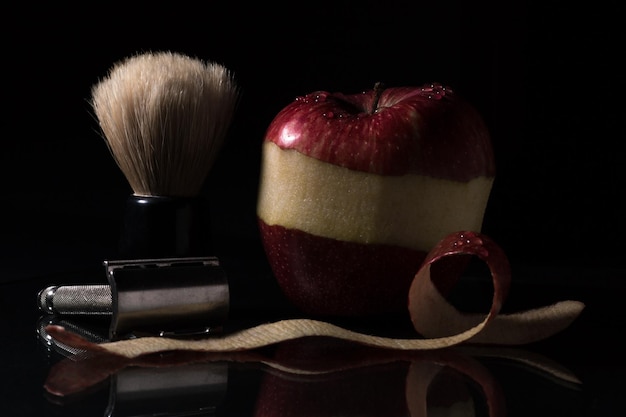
[(412, 211), (337, 236)]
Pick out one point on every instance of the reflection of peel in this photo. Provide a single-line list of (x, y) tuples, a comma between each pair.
[(422, 375), (530, 360), (421, 379), (153, 386), (305, 363)]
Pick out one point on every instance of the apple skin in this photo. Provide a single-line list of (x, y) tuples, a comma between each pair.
[(426, 130), (319, 275), (356, 189)]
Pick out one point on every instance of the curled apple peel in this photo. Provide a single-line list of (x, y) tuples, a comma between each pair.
[(434, 317), (438, 323)]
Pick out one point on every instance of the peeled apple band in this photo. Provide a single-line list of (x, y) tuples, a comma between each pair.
[(438, 322)]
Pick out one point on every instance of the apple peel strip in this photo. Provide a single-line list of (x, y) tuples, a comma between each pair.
[(438, 322)]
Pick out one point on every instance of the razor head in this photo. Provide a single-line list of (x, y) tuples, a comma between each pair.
[(173, 297)]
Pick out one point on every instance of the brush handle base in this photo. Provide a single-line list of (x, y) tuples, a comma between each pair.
[(163, 227)]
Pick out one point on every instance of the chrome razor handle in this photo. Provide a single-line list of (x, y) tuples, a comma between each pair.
[(88, 300)]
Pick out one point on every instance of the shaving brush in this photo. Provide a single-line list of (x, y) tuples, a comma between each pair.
[(164, 117)]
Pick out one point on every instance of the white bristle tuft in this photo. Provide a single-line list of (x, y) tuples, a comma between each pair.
[(164, 117)]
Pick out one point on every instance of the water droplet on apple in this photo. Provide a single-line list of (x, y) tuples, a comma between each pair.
[(435, 91), (302, 99), (317, 97), (472, 242), (320, 97)]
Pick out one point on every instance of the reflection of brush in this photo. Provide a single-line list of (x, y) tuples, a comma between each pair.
[(164, 117)]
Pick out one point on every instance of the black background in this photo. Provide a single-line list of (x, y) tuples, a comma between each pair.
[(548, 79)]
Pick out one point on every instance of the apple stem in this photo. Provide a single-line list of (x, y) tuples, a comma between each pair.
[(378, 90)]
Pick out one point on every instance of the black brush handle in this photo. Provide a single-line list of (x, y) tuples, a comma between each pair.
[(164, 227)]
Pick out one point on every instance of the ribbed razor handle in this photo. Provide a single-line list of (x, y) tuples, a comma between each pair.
[(76, 299)]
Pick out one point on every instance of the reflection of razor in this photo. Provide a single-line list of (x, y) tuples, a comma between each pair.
[(160, 389), (167, 297), (95, 332), (194, 389)]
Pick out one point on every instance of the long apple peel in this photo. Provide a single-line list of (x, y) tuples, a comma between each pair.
[(438, 322)]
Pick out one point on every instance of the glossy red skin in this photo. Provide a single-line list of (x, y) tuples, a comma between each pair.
[(448, 140), (327, 277)]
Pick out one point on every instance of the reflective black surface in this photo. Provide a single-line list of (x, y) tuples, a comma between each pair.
[(578, 372)]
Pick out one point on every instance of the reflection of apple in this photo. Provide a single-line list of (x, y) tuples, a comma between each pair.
[(330, 377), (356, 189), (326, 377)]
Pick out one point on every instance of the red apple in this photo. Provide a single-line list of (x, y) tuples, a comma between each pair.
[(356, 189)]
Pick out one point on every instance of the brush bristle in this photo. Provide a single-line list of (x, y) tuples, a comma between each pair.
[(164, 117)]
